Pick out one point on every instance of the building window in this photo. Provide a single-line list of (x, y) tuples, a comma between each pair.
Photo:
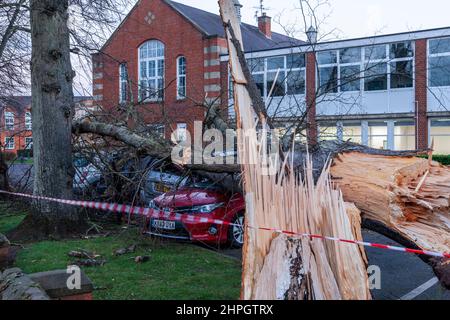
[(328, 131), (181, 78), (389, 66), (151, 71), (439, 62), (9, 121), (10, 143), (440, 133), (28, 121), (291, 77), (378, 135), (339, 70), (181, 132), (29, 143), (123, 79), (405, 135), (352, 132)]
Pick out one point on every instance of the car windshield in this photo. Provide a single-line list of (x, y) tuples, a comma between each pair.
[(203, 183)]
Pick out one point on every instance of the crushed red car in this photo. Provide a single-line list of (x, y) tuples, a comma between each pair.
[(205, 202)]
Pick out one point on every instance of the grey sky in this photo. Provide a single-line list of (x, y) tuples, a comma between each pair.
[(354, 18)]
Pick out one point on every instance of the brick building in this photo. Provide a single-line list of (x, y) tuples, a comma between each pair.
[(390, 91), (16, 121), (165, 57)]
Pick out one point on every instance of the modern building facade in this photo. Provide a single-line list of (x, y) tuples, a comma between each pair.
[(170, 60), (389, 92)]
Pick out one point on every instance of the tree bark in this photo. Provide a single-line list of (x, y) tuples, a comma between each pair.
[(53, 109)]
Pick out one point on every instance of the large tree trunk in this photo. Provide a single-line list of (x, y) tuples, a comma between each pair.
[(53, 109)]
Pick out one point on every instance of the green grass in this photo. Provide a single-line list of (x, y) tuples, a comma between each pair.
[(10, 216), (175, 271)]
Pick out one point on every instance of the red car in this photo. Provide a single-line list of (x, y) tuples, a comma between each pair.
[(204, 203)]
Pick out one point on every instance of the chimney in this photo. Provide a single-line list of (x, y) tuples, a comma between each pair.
[(265, 25), (238, 8)]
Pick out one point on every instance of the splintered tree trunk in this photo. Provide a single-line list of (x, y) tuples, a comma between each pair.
[(53, 109), (407, 195), (278, 267)]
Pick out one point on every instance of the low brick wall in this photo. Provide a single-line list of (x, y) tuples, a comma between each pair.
[(15, 285)]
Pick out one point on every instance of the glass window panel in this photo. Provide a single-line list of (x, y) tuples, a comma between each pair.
[(375, 77), (328, 79), (295, 61), (377, 52), (296, 82), (143, 70), (259, 81), (256, 65), (327, 57), (351, 78), (401, 50), (401, 74), (152, 68), (328, 133), (160, 68), (441, 145), (278, 89), (352, 130), (405, 143), (275, 63), (350, 55), (439, 71), (440, 46)]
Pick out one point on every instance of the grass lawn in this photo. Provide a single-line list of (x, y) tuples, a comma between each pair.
[(175, 271)]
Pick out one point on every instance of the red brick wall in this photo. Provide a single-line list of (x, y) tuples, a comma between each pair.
[(311, 97), (19, 133), (180, 37), (421, 94)]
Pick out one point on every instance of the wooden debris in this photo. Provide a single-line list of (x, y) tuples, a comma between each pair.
[(83, 254), (142, 259), (123, 251), (403, 193), (278, 267)]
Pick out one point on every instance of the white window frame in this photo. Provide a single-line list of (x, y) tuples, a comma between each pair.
[(181, 131), (435, 55), (364, 63), (28, 121), (283, 73), (9, 120), (10, 143), (28, 144), (123, 83), (180, 76), (144, 56)]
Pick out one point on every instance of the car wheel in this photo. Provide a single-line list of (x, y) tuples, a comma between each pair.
[(236, 232)]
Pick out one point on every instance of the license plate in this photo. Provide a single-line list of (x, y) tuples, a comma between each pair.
[(162, 188), (162, 224)]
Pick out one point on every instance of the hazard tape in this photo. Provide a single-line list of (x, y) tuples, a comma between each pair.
[(171, 216)]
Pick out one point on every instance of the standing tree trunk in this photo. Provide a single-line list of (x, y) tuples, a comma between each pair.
[(53, 109)]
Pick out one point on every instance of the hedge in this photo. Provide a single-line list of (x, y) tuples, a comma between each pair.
[(441, 158)]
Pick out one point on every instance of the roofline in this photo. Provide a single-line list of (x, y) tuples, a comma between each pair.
[(355, 42), (196, 26)]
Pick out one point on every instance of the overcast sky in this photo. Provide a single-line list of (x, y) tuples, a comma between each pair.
[(354, 18)]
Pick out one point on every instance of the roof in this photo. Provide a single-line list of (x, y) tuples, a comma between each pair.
[(21, 103), (211, 25)]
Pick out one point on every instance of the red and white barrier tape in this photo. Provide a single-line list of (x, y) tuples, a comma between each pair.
[(153, 213)]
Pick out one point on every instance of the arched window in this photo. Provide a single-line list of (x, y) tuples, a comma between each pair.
[(181, 78), (151, 71)]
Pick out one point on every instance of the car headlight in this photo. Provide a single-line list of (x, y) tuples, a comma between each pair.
[(207, 208)]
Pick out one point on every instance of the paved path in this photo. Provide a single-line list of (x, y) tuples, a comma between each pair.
[(403, 276)]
